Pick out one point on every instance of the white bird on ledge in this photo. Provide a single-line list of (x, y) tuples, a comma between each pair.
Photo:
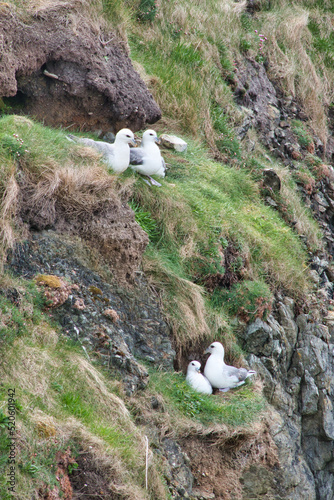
[(196, 380), (147, 159), (220, 375), (116, 155)]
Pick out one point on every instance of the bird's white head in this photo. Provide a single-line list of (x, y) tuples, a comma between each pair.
[(149, 136), (194, 366), (125, 135), (216, 348)]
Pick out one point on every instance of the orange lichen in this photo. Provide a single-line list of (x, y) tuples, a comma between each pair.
[(111, 314), (56, 290)]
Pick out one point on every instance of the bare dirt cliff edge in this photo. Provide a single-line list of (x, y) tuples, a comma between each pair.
[(63, 69)]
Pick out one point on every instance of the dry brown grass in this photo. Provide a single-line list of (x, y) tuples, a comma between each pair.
[(32, 369), (293, 67), (8, 210), (42, 430), (79, 190), (183, 304)]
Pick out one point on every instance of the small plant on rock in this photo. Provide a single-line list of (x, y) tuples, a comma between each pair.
[(303, 136), (246, 299), (261, 39)]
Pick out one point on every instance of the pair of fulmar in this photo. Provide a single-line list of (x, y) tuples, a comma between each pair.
[(146, 159), (217, 374)]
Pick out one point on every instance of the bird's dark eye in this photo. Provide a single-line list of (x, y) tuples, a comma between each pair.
[(212, 346), (193, 364), (128, 136)]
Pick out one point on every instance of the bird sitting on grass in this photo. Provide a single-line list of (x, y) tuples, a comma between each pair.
[(116, 155), (220, 375), (196, 380), (147, 159)]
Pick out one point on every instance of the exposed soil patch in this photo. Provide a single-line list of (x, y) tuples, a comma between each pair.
[(229, 471), (64, 490), (90, 482), (65, 70), (81, 478), (234, 264), (86, 204)]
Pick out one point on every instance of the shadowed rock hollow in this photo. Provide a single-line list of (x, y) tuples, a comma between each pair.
[(66, 71)]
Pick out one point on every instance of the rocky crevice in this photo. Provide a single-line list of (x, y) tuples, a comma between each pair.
[(293, 352)]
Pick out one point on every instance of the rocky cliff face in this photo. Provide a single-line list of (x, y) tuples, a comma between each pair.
[(294, 352), (118, 324)]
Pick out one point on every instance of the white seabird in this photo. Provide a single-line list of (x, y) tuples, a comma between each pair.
[(220, 375), (147, 159), (196, 380), (116, 155)]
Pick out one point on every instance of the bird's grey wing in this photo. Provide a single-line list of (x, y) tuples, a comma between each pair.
[(136, 156), (71, 138), (80, 140), (103, 147), (85, 141), (232, 371)]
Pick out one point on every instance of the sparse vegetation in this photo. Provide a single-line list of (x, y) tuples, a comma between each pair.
[(248, 300)]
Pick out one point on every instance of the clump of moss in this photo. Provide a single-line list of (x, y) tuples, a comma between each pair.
[(49, 280), (94, 290)]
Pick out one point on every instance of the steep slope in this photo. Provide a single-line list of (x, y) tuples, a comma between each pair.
[(235, 246)]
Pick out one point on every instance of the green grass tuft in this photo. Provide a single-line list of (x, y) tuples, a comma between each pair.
[(235, 408), (146, 222), (247, 299), (304, 137), (20, 307)]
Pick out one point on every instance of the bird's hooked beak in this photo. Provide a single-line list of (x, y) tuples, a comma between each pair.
[(157, 140), (207, 351), (133, 142)]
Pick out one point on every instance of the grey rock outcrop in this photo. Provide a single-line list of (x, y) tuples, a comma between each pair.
[(114, 324), (295, 362)]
